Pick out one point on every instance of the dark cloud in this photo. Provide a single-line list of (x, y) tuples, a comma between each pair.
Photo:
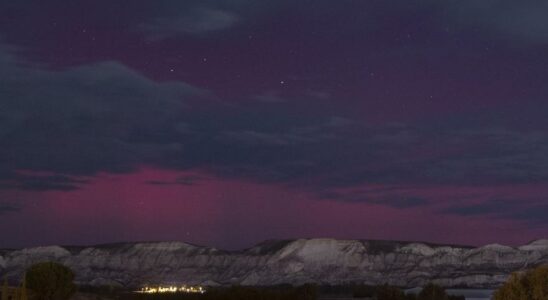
[(6, 208), (170, 18), (521, 20), (108, 118), (42, 182), (357, 154), (83, 120), (529, 210), (182, 180), (404, 202), (105, 117), (388, 197)]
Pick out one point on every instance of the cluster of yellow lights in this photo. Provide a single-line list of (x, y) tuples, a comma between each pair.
[(172, 289)]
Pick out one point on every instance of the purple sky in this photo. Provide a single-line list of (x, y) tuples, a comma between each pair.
[(226, 123)]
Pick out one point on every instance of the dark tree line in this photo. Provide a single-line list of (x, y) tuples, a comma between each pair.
[(386, 292), (52, 281)]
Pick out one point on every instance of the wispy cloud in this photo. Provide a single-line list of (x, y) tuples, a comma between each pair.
[(195, 21)]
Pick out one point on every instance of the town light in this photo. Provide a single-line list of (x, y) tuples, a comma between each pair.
[(172, 289)]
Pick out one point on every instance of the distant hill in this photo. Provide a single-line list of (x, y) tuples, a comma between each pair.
[(322, 261)]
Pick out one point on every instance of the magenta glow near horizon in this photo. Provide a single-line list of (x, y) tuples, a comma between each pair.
[(226, 123)]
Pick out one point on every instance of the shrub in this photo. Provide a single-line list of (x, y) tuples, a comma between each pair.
[(532, 285), (411, 297), (363, 291), (387, 292), (432, 291), (50, 281)]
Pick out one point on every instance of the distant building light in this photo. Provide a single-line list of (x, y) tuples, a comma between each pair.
[(172, 289)]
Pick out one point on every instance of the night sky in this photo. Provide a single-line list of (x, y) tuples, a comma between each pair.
[(226, 123)]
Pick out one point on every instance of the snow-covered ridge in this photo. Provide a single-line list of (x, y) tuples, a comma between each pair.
[(289, 261), (535, 245)]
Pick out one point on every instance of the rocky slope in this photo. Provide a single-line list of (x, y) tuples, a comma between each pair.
[(293, 261)]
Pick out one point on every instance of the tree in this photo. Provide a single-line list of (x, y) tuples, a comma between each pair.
[(410, 297), (363, 291), (5, 289), (50, 281), (308, 292), (387, 292), (531, 285), (539, 283), (432, 291), (23, 289)]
